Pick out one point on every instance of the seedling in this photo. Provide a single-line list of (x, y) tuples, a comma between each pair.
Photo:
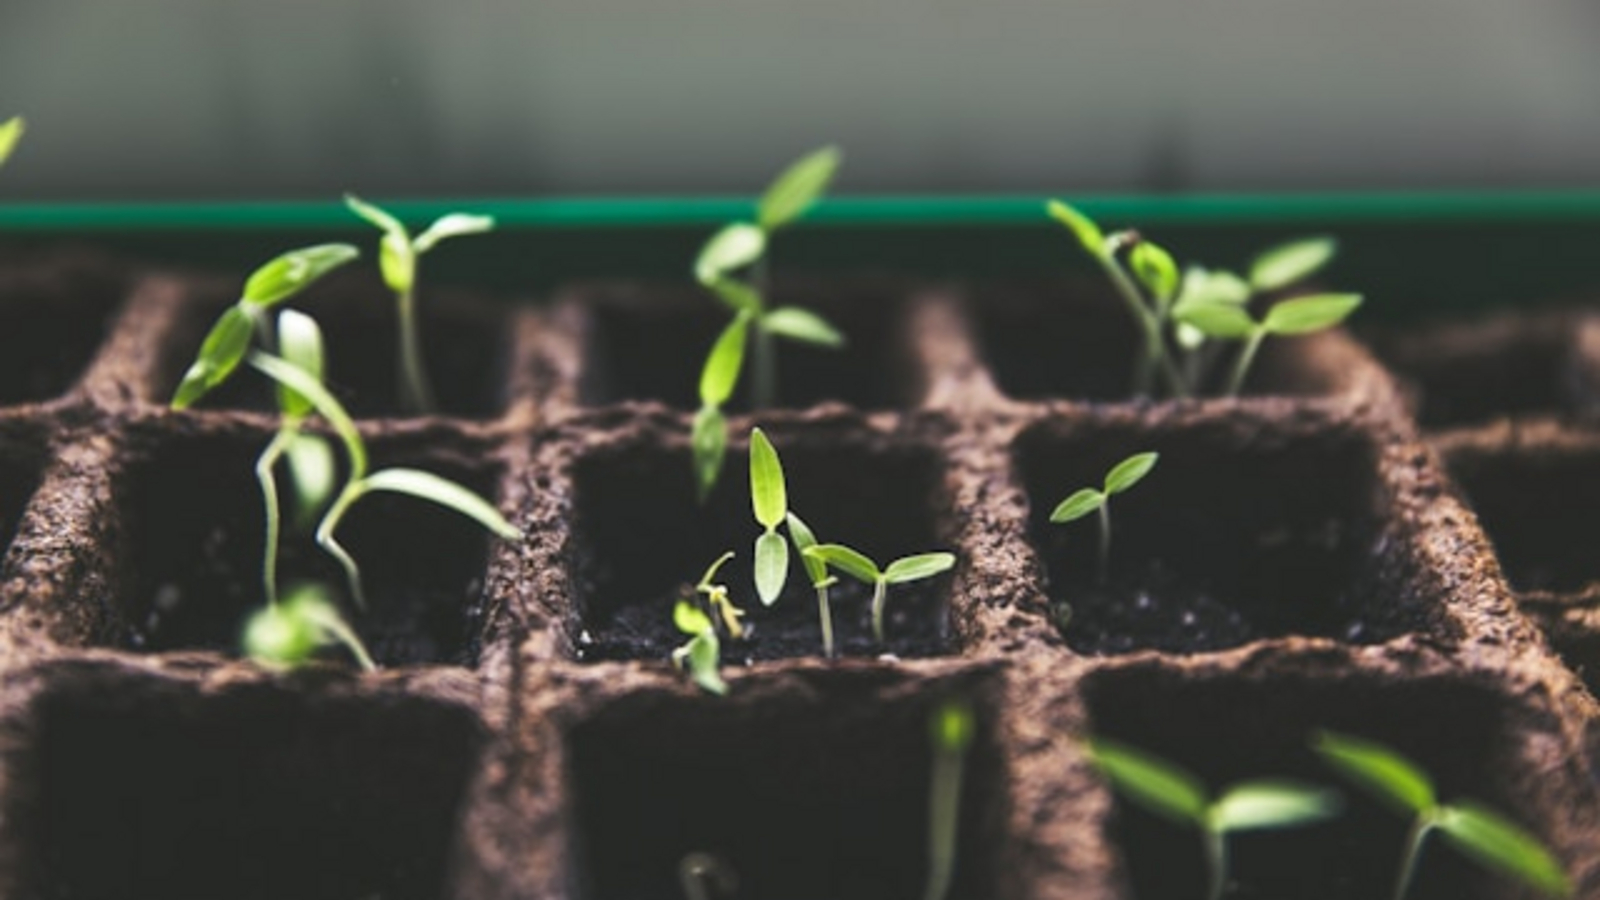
[(950, 728), (901, 571), (285, 635), (702, 653), (742, 246), (10, 133), (1475, 830), (1084, 501), (770, 500), (706, 876), (399, 255), (801, 536), (716, 595), (1177, 795), (1226, 321)]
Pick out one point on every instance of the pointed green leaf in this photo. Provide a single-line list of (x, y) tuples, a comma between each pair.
[(1084, 228), (915, 568), (294, 271), (1082, 502), (691, 619), (10, 133), (736, 295), (375, 215), (449, 226), (1272, 804), (771, 567), (1292, 262), (802, 538), (1378, 770), (220, 354), (721, 372), (329, 408), (1130, 472), (1302, 315), (1217, 320), (704, 653), (1501, 844), (848, 561), (799, 186), (1155, 270), (768, 494), (443, 491), (1157, 785), (802, 325), (1202, 285), (299, 343), (734, 247), (709, 442), (312, 474)]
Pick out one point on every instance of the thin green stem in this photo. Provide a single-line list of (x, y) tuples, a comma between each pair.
[(826, 615), (1145, 366), (1105, 539), (944, 807), (1413, 853), (1216, 844), (416, 394), (325, 539), (764, 365), (345, 635), (1241, 366), (880, 589), (269, 502)]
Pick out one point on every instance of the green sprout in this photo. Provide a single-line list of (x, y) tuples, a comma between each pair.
[(1178, 796), (399, 255), (702, 653), (706, 876), (951, 729), (1480, 833), (770, 500), (801, 536), (10, 133), (740, 246), (1180, 317), (285, 635), (901, 571), (1084, 501), (722, 609)]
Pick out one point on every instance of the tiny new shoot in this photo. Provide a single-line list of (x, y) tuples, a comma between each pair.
[(770, 500), (285, 635), (742, 246), (1233, 322), (803, 538), (399, 255), (1177, 795), (10, 133), (902, 571), (1475, 830), (951, 728), (702, 653), (1084, 501), (722, 610), (706, 876)]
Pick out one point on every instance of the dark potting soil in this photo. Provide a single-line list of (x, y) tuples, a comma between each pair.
[(1538, 506), (64, 310)]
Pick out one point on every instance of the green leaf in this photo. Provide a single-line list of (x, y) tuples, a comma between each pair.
[(802, 325), (734, 247), (1218, 320), (736, 295), (299, 343), (1289, 263), (768, 495), (1379, 770), (1155, 270), (1154, 783), (1302, 315), (709, 441), (1500, 844), (443, 491), (952, 726), (1082, 502), (1130, 472), (1202, 285), (398, 262), (848, 561), (721, 372), (772, 566), (704, 651), (329, 408), (312, 474), (279, 636), (1272, 804), (915, 568), (294, 271), (690, 619), (220, 354), (10, 133), (375, 215), (802, 538), (797, 187), (449, 226), (1084, 228)]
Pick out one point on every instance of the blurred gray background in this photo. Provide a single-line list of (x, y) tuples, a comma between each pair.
[(195, 99)]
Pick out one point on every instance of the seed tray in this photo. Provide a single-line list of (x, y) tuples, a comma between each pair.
[(1304, 557)]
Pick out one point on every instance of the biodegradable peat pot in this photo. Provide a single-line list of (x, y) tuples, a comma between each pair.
[(1300, 559)]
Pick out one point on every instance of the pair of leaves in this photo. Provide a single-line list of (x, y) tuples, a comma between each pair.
[(1174, 793), (901, 571), (1299, 315), (769, 499), (785, 200), (287, 634), (1122, 476), (10, 133), (1472, 828), (703, 651), (398, 251)]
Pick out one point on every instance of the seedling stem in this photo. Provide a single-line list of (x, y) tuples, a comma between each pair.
[(951, 728)]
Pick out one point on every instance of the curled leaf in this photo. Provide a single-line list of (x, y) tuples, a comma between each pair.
[(1155, 270)]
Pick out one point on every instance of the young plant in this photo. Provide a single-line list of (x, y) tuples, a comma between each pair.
[(801, 536), (1228, 321), (1178, 796), (1084, 501), (902, 571), (285, 635), (705, 876), (1480, 833), (10, 133), (951, 728), (770, 499), (399, 255), (702, 653), (722, 610), (742, 246)]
